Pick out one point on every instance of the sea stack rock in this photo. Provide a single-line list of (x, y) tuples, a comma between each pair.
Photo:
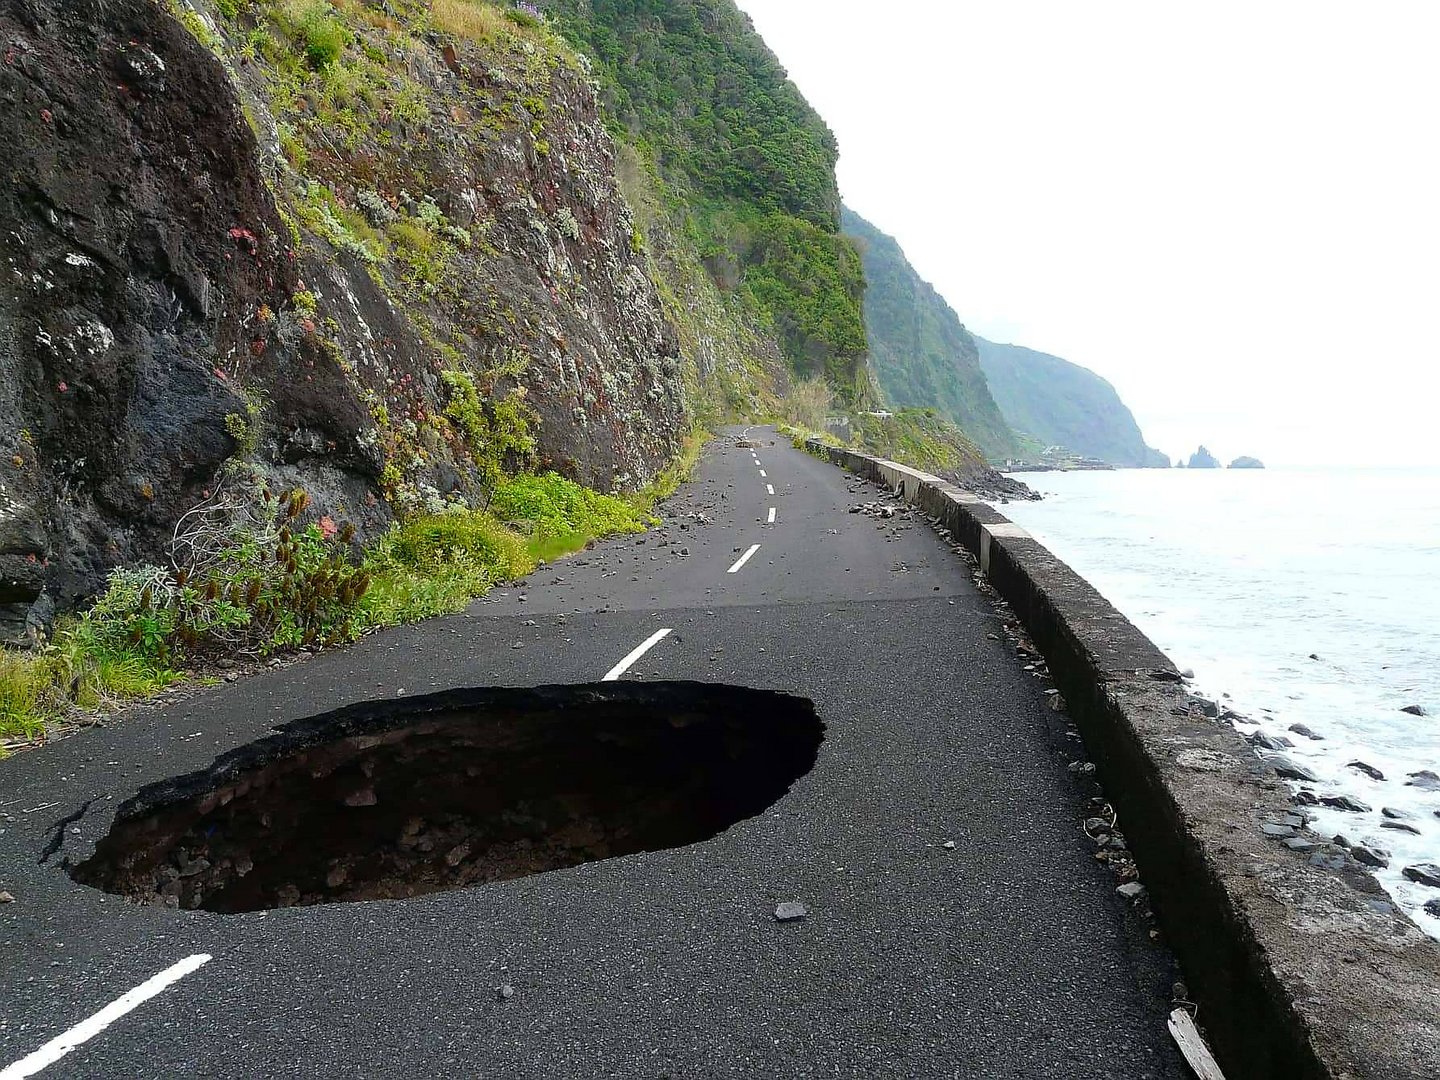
[(1246, 463), (1203, 459)]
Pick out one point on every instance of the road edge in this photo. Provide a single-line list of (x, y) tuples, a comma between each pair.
[(1299, 971)]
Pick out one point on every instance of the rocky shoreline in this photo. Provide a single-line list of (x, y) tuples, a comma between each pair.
[(1347, 823), (988, 483)]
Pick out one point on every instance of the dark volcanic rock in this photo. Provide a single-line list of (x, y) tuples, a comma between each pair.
[(1414, 710), (1425, 778), (1368, 770), (990, 484), (1424, 874), (127, 307), (1269, 742), (1368, 857), (1400, 826), (1301, 729), (1345, 802), (1290, 770)]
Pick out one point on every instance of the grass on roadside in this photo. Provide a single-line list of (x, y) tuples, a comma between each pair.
[(277, 586)]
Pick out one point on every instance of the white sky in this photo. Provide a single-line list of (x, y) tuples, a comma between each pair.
[(1229, 210)]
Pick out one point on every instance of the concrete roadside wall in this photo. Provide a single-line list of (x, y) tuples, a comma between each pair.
[(1299, 971)]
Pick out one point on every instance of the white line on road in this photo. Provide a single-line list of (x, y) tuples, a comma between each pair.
[(770, 489), (762, 472), (635, 654), (771, 519), (86, 1030), (743, 559)]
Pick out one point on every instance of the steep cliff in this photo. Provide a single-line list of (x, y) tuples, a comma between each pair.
[(1059, 403), (748, 162), (921, 353), (375, 250)]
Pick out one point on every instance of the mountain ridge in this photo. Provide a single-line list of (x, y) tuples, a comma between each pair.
[(1060, 403), (920, 351)]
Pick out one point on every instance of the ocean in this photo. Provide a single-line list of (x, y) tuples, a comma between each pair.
[(1297, 596)]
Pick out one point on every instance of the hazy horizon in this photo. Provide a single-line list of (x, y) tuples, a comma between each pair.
[(1229, 212)]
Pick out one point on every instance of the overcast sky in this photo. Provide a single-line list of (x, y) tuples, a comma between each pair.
[(1229, 210)]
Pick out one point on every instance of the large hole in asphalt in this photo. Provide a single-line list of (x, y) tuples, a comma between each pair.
[(400, 798)]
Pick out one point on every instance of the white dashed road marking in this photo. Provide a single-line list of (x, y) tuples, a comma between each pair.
[(770, 489), (635, 654), (743, 559), (771, 519), (762, 472), (86, 1030)]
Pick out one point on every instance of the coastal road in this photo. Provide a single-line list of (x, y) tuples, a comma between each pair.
[(1005, 955)]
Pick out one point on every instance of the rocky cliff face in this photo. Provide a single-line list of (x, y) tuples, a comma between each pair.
[(361, 249)]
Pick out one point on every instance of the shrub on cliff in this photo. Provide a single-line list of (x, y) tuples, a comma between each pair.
[(311, 24)]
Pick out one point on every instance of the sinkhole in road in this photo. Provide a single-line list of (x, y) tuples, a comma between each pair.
[(399, 798)]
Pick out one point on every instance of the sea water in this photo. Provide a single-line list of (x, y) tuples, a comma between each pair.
[(1297, 596)]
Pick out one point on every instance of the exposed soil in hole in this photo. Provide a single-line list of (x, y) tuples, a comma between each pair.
[(399, 798)]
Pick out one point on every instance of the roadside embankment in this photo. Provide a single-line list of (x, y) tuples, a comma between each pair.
[(1301, 966)]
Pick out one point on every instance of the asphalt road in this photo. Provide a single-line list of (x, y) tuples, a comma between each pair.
[(1007, 956)]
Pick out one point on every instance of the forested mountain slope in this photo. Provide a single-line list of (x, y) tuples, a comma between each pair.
[(1063, 404), (921, 353), (746, 160)]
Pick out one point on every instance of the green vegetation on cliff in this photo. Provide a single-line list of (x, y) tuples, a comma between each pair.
[(921, 353), (920, 438), (247, 583), (696, 89), (1058, 403)]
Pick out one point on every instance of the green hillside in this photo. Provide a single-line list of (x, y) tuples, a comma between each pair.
[(1063, 404), (746, 161), (921, 353)]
